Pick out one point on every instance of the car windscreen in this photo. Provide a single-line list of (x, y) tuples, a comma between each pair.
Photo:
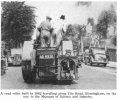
[(98, 51)]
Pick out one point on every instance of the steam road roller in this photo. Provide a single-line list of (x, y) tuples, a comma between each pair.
[(49, 62)]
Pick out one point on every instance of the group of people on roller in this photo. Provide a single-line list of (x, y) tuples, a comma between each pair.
[(51, 34)]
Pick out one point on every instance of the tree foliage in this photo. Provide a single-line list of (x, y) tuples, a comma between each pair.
[(74, 33), (114, 40), (90, 20), (17, 21), (106, 18)]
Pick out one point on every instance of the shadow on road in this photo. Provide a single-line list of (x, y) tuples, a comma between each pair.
[(53, 82), (104, 67)]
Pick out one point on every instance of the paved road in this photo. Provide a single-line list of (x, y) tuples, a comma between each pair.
[(89, 78)]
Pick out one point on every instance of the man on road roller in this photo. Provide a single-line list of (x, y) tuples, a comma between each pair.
[(44, 32), (59, 29)]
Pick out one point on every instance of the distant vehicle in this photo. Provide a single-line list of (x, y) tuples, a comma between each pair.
[(10, 60), (15, 58), (96, 55), (60, 64), (3, 65)]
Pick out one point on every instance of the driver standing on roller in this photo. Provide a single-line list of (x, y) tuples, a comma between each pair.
[(44, 31)]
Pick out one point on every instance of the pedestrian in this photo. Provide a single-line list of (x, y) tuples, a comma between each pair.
[(44, 32), (59, 29)]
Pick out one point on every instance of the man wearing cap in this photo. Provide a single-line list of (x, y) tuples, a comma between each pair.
[(59, 29), (44, 31), (43, 36)]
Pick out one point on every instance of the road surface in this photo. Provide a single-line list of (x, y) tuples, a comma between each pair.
[(89, 78)]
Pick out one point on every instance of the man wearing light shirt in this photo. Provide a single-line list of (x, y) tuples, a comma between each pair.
[(44, 31), (59, 29)]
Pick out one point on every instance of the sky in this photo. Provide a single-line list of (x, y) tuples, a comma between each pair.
[(74, 14)]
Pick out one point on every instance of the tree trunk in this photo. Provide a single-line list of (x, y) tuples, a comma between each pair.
[(18, 44), (82, 47)]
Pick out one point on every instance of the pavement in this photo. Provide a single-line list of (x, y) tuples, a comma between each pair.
[(112, 64)]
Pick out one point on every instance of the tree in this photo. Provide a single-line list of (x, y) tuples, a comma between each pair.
[(72, 33), (91, 21), (106, 18), (17, 21), (75, 33), (114, 40)]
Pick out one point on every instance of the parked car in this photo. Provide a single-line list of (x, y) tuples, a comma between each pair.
[(10, 60), (3, 65), (96, 55), (14, 60)]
